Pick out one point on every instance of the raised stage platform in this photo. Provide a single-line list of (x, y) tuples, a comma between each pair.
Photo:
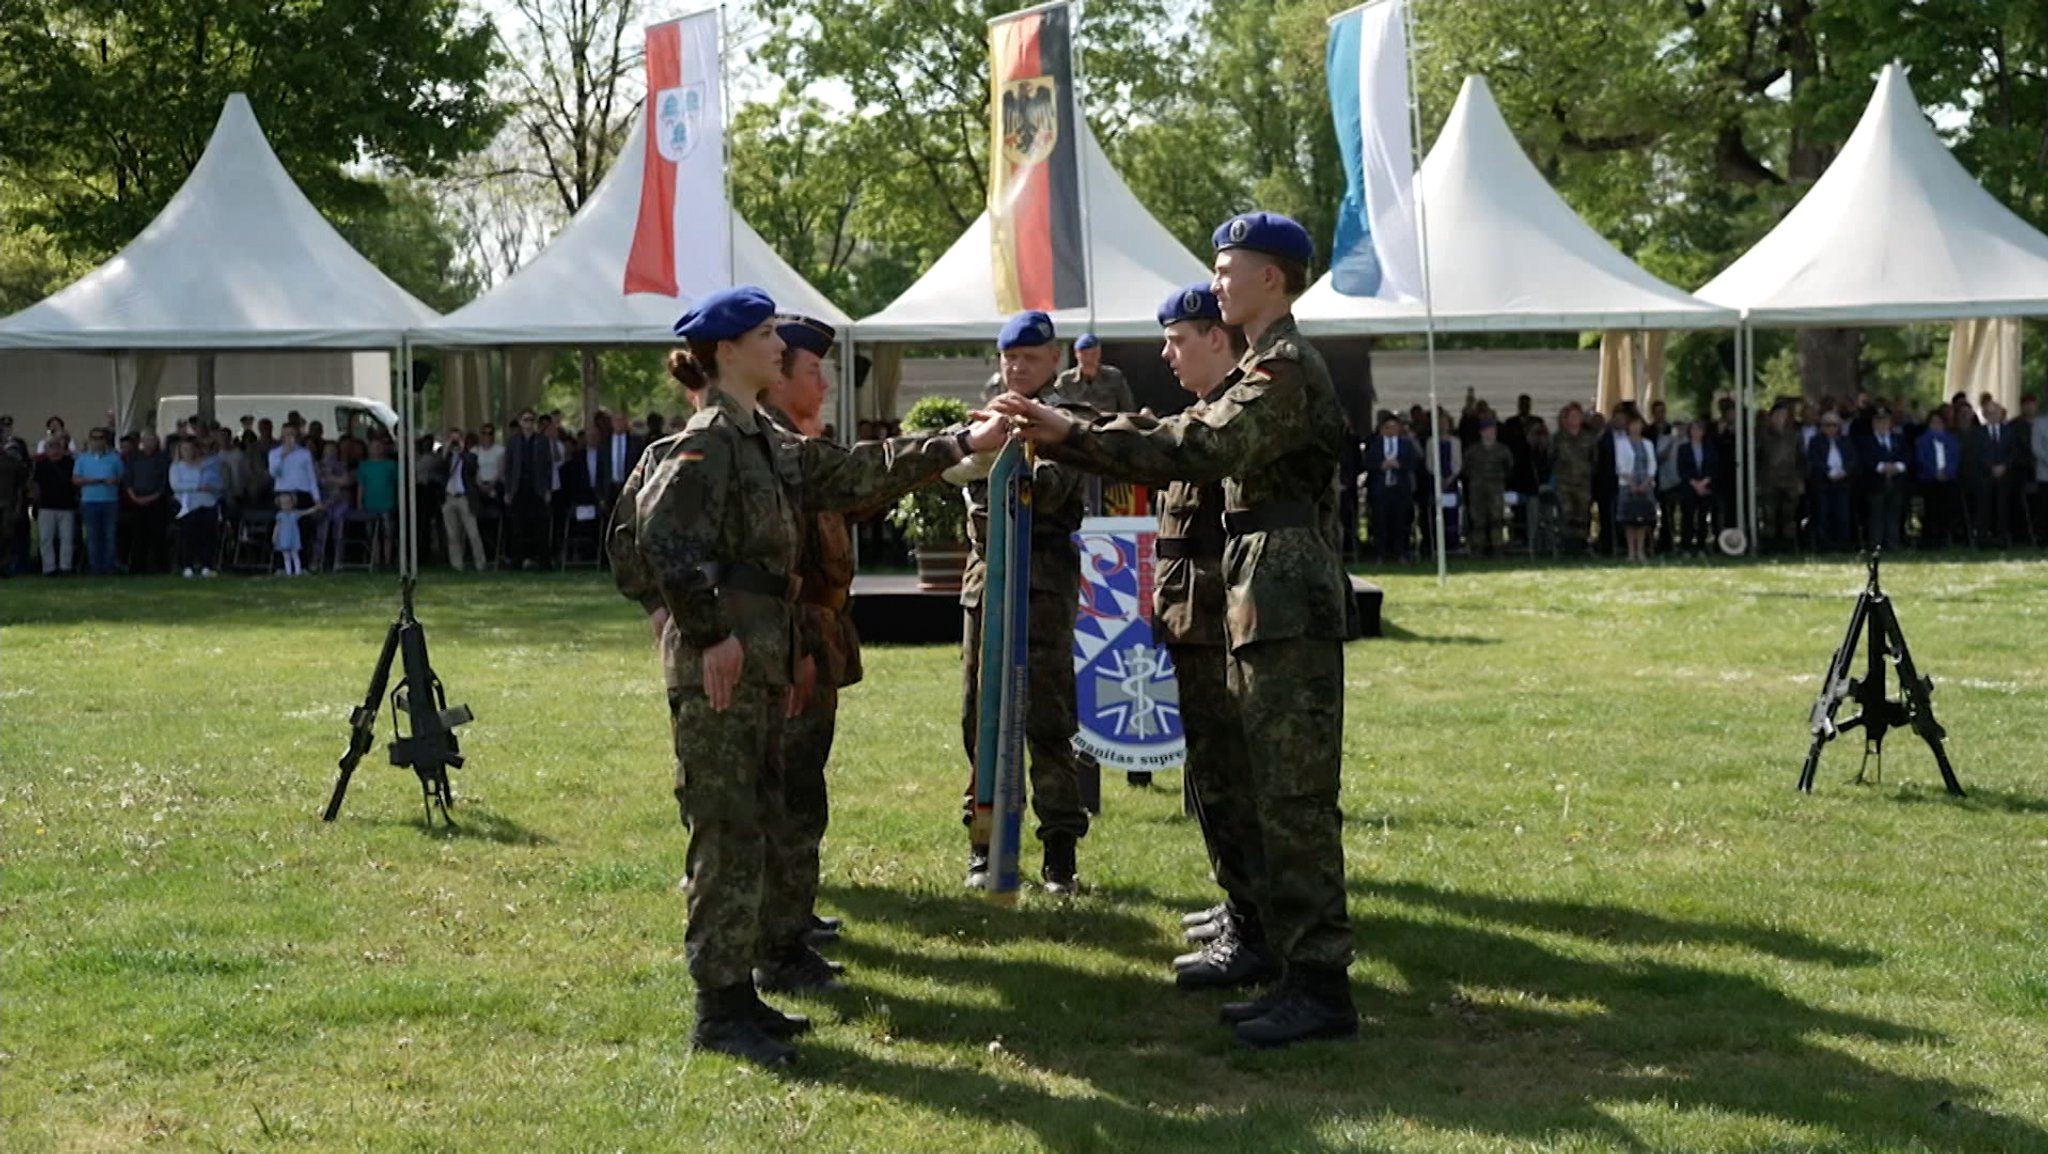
[(889, 609)]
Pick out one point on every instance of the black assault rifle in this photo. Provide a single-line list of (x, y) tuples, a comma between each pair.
[(422, 724)]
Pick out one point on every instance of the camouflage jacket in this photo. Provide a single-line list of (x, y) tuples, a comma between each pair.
[(725, 495), (1109, 392), (1057, 506), (1781, 459), (825, 622), (1187, 592), (1571, 458), (1487, 466), (1273, 439)]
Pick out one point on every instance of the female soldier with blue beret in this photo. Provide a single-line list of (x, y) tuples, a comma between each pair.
[(706, 537)]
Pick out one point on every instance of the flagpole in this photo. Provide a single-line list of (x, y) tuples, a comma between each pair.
[(1081, 140), (732, 270), (1433, 460)]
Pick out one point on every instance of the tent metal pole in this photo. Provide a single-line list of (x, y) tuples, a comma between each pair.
[(1431, 458), (1742, 442), (1749, 387)]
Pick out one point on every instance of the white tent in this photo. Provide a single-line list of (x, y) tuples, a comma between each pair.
[(1506, 253), (1895, 231), (238, 259), (1136, 263), (573, 293)]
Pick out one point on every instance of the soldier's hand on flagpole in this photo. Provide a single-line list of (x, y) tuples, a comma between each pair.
[(988, 433), (805, 682), (722, 672), (1034, 421)]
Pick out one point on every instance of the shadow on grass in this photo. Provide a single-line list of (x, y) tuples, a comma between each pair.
[(1100, 920), (1392, 632), (471, 824), (1485, 1033), (1976, 798), (1615, 923)]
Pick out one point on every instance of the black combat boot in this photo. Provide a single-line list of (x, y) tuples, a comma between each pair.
[(1232, 961), (727, 1024), (774, 1022), (1314, 1004), (977, 867), (822, 931), (1060, 874), (797, 968)]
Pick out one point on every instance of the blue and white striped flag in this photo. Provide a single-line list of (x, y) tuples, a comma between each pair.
[(1375, 253)]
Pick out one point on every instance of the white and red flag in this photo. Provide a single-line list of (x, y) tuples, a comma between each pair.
[(682, 245)]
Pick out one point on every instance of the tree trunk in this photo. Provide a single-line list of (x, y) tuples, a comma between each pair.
[(593, 386), (1829, 363)]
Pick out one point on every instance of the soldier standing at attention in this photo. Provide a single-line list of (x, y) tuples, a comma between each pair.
[(1090, 382), (794, 404), (1782, 454), (1030, 361), (1571, 455), (1187, 618), (1487, 465), (1274, 438), (706, 538)]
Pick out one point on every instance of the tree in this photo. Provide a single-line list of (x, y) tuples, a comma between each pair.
[(345, 91), (570, 70)]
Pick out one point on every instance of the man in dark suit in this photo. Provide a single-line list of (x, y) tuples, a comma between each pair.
[(1890, 462), (1393, 467), (1830, 475), (1989, 453), (583, 473), (529, 484), (1606, 484), (1697, 463), (622, 449)]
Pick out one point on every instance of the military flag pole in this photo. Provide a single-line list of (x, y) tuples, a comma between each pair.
[(1434, 461), (1081, 166)]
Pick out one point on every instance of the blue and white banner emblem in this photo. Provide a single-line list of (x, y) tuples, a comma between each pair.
[(1375, 252), (1129, 703)]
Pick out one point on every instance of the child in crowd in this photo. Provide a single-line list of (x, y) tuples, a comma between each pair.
[(284, 536)]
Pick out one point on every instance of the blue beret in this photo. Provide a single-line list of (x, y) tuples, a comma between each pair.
[(726, 315), (1087, 341), (805, 333), (1197, 302), (1266, 232), (1025, 331)]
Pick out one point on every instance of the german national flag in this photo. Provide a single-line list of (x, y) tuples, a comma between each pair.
[(1034, 189)]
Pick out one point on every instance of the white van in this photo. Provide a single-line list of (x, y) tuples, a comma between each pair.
[(338, 415)]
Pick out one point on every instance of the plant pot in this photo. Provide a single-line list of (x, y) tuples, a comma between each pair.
[(939, 567)]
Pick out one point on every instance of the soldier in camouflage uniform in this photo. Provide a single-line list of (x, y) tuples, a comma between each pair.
[(706, 538), (1572, 453), (1030, 361), (1781, 457), (1273, 438), (1187, 618), (830, 662), (1100, 387), (1487, 465)]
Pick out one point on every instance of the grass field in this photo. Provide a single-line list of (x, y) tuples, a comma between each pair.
[(1592, 913)]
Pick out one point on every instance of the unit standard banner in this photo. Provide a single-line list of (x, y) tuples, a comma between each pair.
[(1034, 188), (1128, 701)]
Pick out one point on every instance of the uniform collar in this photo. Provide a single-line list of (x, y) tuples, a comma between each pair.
[(742, 416), (1283, 329)]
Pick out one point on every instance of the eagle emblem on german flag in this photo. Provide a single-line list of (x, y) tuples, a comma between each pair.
[(1031, 119)]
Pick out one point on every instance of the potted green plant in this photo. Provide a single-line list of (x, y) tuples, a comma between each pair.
[(934, 517)]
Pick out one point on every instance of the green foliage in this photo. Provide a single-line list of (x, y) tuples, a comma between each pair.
[(932, 414), (932, 515), (1593, 916)]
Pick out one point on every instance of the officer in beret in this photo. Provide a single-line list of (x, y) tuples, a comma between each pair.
[(794, 404), (1188, 618), (1273, 438), (1090, 382), (1487, 465), (1030, 359), (706, 537)]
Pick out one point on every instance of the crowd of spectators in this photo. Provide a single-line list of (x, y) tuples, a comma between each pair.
[(1832, 475)]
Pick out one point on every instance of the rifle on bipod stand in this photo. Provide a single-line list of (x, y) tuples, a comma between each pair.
[(422, 724), (1874, 615), (1003, 671)]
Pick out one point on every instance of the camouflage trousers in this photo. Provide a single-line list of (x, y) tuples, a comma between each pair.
[(1575, 504), (794, 847), (1778, 508), (1219, 776), (1290, 695), (730, 789), (1049, 715), (1485, 518)]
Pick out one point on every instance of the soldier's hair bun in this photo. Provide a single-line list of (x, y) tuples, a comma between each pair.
[(694, 365)]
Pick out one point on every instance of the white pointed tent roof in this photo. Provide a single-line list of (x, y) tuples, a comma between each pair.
[(1137, 263), (1895, 230), (574, 291), (1507, 254), (239, 258)]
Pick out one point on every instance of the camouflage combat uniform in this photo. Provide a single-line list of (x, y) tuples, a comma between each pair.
[(826, 627), (1486, 490), (1050, 720), (1571, 457), (1273, 438), (710, 525), (1187, 618), (1108, 392), (1782, 463)]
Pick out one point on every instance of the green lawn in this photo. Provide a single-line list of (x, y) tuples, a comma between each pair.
[(1593, 914)]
